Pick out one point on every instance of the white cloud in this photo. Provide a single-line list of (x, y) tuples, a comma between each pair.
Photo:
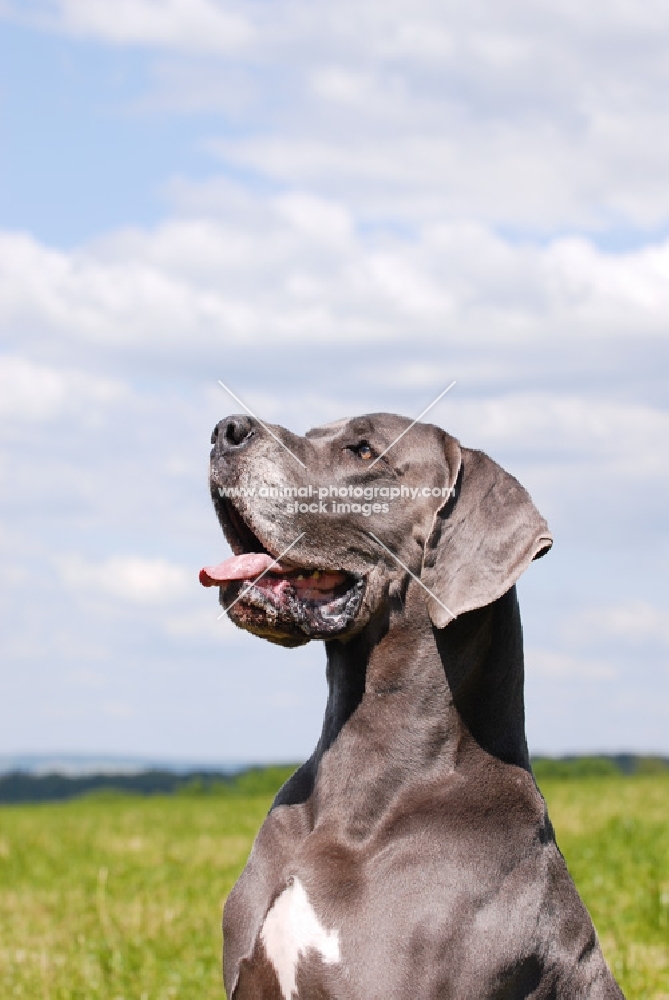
[(104, 302), (552, 426), (131, 579), (538, 118), (118, 709), (203, 624), (189, 25), (86, 678), (297, 268), (34, 392), (635, 621), (546, 663), (318, 220), (336, 83)]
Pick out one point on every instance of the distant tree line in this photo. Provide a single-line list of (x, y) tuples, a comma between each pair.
[(600, 766), (21, 786)]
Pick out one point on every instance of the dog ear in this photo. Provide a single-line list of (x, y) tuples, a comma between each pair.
[(482, 538)]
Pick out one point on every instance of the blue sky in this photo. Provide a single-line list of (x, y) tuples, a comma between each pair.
[(334, 209)]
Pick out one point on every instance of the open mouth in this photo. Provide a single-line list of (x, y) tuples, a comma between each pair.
[(280, 601)]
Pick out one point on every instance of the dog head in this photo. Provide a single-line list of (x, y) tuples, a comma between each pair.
[(324, 528)]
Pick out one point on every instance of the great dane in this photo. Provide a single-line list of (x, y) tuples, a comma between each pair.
[(412, 854)]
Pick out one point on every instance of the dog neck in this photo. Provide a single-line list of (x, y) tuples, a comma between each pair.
[(468, 676), (406, 699)]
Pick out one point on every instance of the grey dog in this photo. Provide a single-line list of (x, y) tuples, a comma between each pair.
[(412, 854)]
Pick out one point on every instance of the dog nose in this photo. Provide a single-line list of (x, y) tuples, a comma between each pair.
[(232, 432)]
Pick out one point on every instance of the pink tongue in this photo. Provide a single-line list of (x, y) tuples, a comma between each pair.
[(245, 567)]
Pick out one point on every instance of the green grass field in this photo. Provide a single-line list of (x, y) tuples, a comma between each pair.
[(115, 897)]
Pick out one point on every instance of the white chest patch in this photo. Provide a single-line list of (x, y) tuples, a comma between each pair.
[(291, 927)]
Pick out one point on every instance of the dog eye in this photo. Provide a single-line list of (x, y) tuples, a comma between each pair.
[(362, 450)]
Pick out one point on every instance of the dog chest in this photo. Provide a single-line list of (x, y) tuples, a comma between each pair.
[(292, 929)]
